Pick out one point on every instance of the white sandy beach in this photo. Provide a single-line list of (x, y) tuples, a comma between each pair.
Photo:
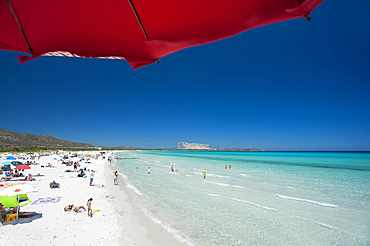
[(118, 221)]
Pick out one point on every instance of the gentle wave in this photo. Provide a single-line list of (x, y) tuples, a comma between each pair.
[(244, 175), (221, 184), (244, 201), (176, 234), (309, 201), (135, 189), (238, 186), (216, 175), (327, 226)]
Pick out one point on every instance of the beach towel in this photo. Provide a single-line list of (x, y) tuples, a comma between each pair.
[(67, 177), (10, 184), (11, 217), (47, 200)]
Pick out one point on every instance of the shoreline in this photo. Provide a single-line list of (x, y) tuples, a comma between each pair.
[(117, 221), (149, 232)]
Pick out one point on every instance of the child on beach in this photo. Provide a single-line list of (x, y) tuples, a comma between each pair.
[(89, 210)]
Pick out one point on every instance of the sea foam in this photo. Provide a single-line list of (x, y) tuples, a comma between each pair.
[(176, 234), (309, 201), (221, 184), (244, 201), (132, 187)]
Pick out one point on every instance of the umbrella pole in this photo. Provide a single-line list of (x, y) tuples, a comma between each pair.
[(18, 208)]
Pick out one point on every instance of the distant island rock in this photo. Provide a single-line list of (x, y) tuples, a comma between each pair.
[(185, 146)]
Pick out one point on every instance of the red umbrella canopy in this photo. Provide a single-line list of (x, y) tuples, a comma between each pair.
[(22, 167), (140, 31)]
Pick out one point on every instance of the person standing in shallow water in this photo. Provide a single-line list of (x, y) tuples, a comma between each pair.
[(204, 173), (148, 170), (115, 178)]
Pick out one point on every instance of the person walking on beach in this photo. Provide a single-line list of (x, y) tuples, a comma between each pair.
[(204, 173), (89, 210), (92, 177), (115, 178), (148, 170)]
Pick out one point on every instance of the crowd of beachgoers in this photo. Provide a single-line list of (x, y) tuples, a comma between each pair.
[(59, 188), (70, 198)]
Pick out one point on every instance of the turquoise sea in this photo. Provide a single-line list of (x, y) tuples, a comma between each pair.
[(265, 198)]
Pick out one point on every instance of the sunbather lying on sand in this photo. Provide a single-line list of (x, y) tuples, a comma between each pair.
[(54, 185), (9, 176), (29, 178), (70, 208)]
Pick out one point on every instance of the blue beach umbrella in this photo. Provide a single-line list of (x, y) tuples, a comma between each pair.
[(10, 158), (6, 163), (16, 163)]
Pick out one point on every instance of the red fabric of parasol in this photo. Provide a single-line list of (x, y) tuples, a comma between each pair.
[(22, 167), (140, 31)]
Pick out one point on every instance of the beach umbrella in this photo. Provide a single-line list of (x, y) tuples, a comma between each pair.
[(18, 190), (6, 163), (10, 158), (22, 167), (140, 31), (12, 201), (16, 163)]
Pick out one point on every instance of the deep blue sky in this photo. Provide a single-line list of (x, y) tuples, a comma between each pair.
[(286, 86)]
